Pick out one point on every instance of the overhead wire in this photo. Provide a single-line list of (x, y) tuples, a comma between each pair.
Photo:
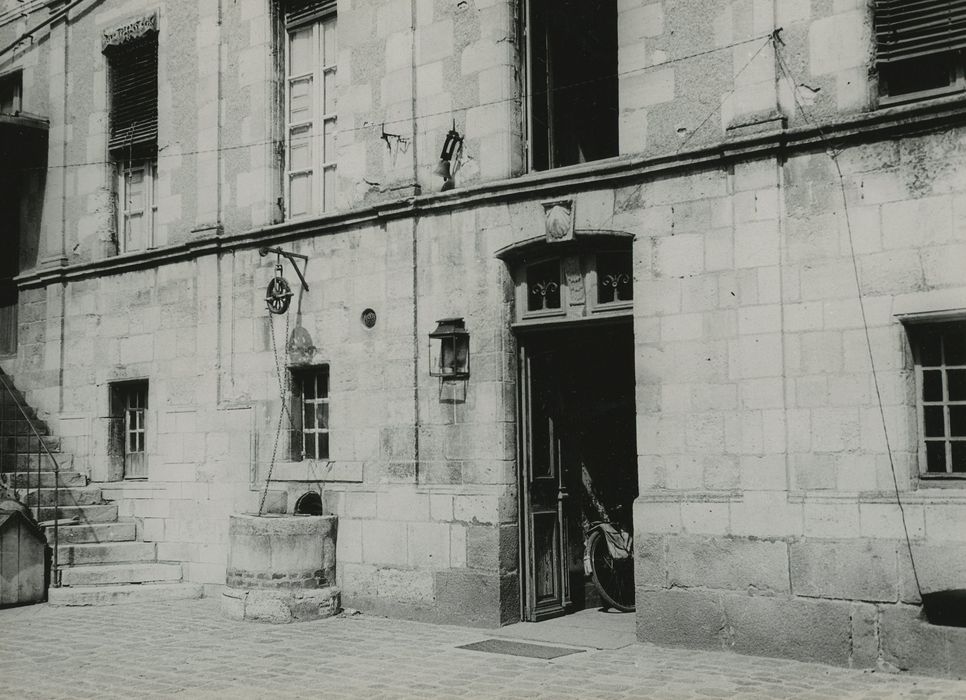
[(833, 154), (371, 126)]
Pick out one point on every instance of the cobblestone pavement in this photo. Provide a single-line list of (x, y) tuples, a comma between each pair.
[(186, 648)]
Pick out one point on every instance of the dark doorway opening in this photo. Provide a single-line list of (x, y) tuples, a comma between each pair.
[(578, 456)]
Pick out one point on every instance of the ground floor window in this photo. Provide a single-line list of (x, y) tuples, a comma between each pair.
[(939, 350), (129, 405), (310, 413)]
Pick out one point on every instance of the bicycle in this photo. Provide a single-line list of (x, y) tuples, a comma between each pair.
[(609, 559)]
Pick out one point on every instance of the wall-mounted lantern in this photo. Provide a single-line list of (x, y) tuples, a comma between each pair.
[(449, 349)]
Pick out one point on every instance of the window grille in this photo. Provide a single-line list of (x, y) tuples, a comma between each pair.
[(128, 427), (310, 413)]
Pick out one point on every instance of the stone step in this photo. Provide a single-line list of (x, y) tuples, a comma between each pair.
[(18, 426), (127, 572), (95, 533), (106, 513), (29, 443), (28, 480), (72, 496), (123, 593), (14, 409), (105, 553), (27, 462)]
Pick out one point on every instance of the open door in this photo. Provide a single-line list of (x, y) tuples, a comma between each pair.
[(577, 455), (545, 497)]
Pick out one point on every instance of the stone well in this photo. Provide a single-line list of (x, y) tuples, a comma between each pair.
[(281, 568)]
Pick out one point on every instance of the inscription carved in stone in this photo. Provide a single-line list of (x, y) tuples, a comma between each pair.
[(575, 280)]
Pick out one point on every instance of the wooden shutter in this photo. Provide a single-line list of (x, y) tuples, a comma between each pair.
[(302, 11), (134, 97), (907, 29)]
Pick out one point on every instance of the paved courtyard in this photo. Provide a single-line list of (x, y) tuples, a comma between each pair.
[(187, 649)]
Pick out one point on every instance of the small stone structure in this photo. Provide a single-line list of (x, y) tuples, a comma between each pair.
[(281, 568)]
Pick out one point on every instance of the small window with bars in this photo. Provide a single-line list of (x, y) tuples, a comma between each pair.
[(920, 48), (128, 432), (310, 413), (311, 53), (940, 354)]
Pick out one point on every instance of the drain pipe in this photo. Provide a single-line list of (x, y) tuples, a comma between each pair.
[(415, 264)]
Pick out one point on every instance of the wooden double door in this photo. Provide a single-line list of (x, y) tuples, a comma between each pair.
[(577, 454)]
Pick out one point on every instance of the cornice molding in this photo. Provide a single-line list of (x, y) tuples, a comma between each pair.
[(893, 122)]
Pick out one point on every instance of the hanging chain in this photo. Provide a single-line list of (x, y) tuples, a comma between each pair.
[(283, 395)]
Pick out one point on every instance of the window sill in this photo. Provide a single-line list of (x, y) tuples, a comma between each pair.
[(316, 470), (886, 101)]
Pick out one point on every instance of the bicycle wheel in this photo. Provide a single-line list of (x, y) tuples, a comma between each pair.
[(614, 578)]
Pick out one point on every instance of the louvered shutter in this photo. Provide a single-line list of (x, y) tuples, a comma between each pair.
[(302, 11), (914, 28), (134, 97)]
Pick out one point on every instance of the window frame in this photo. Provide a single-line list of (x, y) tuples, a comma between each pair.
[(320, 161), (904, 35), (123, 169), (14, 82), (915, 333), (957, 84), (128, 425), (593, 282), (535, 30), (320, 375)]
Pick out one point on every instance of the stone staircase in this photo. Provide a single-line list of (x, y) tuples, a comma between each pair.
[(100, 558)]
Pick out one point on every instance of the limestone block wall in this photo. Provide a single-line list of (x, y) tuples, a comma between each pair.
[(767, 521), (692, 72), (413, 70)]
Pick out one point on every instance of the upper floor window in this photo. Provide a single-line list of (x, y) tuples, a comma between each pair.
[(311, 51), (920, 48), (136, 211), (133, 137), (571, 81), (10, 93), (939, 350)]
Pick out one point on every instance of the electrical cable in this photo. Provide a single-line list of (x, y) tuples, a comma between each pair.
[(771, 39), (833, 155), (420, 117)]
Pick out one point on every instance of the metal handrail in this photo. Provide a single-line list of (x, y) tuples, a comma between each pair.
[(55, 572)]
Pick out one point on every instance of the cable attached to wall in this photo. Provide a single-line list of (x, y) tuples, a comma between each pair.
[(833, 154), (370, 127)]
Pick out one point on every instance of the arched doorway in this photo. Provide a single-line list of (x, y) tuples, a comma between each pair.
[(576, 428)]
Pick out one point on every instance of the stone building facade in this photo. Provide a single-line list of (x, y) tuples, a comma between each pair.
[(782, 182)]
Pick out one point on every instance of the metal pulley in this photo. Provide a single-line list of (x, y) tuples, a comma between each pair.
[(278, 294)]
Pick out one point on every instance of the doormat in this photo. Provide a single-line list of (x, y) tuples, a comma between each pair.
[(506, 646)]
